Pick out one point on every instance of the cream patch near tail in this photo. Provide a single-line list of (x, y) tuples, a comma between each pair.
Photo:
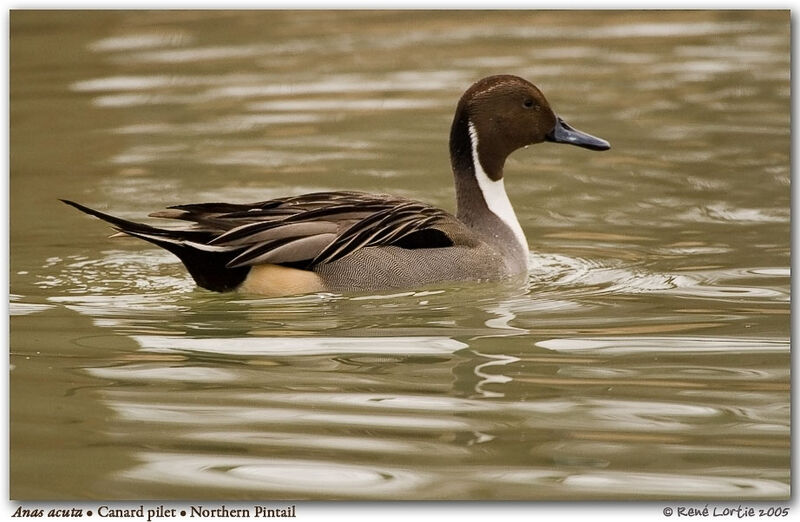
[(276, 280)]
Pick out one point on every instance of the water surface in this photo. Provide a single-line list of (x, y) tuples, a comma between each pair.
[(645, 357)]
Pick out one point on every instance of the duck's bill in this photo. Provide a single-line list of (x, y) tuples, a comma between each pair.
[(563, 133)]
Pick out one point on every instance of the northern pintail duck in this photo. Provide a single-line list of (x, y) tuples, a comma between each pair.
[(349, 241)]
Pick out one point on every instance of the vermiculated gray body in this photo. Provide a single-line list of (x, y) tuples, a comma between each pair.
[(394, 267)]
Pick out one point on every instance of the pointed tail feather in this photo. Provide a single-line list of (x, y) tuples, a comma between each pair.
[(206, 265), (123, 225)]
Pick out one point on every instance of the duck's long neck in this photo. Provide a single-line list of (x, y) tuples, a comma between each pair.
[(482, 202)]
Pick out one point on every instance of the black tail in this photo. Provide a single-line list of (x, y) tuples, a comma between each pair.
[(207, 267)]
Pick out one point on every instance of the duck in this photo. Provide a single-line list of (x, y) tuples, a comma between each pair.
[(350, 241)]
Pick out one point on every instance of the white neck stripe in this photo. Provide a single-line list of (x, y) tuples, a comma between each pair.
[(494, 193)]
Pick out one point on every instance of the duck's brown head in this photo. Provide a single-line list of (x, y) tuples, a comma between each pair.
[(501, 114)]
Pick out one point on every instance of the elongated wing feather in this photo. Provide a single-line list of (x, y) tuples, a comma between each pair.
[(269, 231), (386, 228), (292, 251)]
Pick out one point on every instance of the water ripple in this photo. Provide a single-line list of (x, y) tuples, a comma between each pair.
[(132, 42), (595, 277), (627, 345), (338, 443), (294, 346), (619, 484), (296, 477), (186, 414)]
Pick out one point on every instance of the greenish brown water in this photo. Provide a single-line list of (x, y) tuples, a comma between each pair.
[(646, 357)]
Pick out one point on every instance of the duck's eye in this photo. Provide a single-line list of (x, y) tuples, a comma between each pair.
[(528, 103)]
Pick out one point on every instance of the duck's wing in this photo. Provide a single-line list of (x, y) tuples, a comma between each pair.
[(299, 231), (320, 228)]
